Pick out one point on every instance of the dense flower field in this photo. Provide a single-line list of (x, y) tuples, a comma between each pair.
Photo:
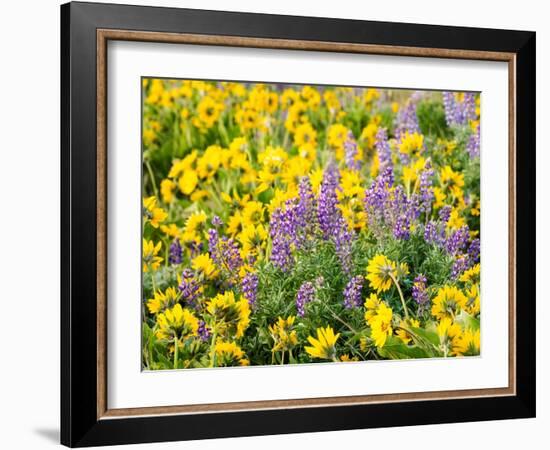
[(287, 224)]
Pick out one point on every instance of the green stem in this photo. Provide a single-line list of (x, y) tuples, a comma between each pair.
[(282, 357), (213, 349), (152, 176), (176, 352), (340, 320), (400, 296), (153, 282)]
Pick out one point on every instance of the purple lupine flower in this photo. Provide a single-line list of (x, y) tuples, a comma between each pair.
[(306, 214), (231, 254), (281, 243), (459, 266), (176, 252), (402, 227), (457, 240), (473, 145), (468, 107), (305, 294), (352, 292), (249, 287), (203, 331), (449, 103), (333, 226), (383, 150), (390, 209), (474, 251), (327, 211), (426, 192), (459, 113), (430, 232), (189, 287), (343, 241), (216, 221), (350, 148), (445, 213), (213, 245), (420, 291), (407, 120), (195, 248), (224, 251)]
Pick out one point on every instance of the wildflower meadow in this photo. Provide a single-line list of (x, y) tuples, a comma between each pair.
[(289, 224)]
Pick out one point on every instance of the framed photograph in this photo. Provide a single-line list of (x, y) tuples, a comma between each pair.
[(276, 224)]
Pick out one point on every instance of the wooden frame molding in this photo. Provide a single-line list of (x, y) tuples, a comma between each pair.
[(105, 35)]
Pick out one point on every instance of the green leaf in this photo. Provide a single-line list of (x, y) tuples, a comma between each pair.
[(396, 349), (467, 321), (429, 336)]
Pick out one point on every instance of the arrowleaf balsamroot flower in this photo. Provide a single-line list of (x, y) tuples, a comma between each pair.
[(228, 315), (324, 347), (176, 322), (283, 335), (229, 354), (448, 302), (162, 300), (150, 259), (382, 271)]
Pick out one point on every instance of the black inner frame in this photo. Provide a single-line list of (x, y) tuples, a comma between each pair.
[(79, 423)]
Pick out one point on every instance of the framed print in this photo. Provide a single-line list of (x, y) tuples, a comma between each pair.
[(277, 224)]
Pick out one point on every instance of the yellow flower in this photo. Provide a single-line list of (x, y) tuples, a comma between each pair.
[(175, 323), (471, 275), (455, 220), (162, 300), (150, 259), (229, 354), (289, 97), (381, 325), (380, 272), (253, 238), (167, 190), (284, 337), (467, 343), (451, 178), (305, 134), (188, 182), (252, 213), (371, 305), (204, 264), (474, 211), (234, 224), (331, 100), (236, 200), (229, 316), (171, 230), (324, 346), (152, 213), (209, 111), (182, 166), (473, 304), (369, 134), (337, 135), (370, 95), (447, 329), (448, 302), (402, 332), (194, 226), (347, 358), (439, 197), (209, 162), (411, 143), (311, 96)]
